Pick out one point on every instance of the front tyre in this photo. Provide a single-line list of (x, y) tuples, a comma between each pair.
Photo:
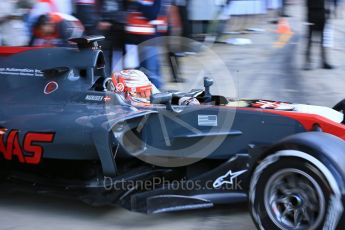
[(293, 190)]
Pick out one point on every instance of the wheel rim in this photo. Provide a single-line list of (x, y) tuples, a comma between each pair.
[(294, 200)]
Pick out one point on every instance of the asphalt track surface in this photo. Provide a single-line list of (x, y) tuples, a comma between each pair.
[(32, 212)]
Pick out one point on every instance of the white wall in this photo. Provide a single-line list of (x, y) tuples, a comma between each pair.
[(208, 9), (274, 4)]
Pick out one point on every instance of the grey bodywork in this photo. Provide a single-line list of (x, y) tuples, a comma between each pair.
[(88, 130), (82, 127)]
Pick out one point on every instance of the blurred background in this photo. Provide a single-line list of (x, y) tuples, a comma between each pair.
[(289, 50)]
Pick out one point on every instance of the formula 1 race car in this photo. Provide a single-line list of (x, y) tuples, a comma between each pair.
[(67, 129)]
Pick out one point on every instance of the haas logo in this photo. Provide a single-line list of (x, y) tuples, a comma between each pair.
[(29, 151)]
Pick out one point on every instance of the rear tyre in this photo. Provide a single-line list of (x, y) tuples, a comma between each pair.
[(293, 190)]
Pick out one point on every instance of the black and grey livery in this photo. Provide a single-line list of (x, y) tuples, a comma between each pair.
[(93, 144)]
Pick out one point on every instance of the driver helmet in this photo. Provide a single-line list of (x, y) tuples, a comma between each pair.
[(134, 84)]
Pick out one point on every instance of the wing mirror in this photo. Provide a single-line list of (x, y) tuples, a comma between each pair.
[(162, 98), (208, 82), (87, 42)]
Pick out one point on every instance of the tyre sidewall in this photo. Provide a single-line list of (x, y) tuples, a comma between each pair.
[(258, 209)]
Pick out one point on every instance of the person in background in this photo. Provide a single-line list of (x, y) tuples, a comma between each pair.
[(110, 23), (175, 47), (147, 19), (335, 4), (85, 11), (39, 8), (283, 9), (55, 29), (318, 12), (184, 17), (13, 31)]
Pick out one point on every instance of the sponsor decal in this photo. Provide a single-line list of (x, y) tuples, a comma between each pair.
[(272, 105), (29, 151), (207, 120), (120, 87), (94, 98), (51, 87), (107, 99), (228, 178), (21, 72)]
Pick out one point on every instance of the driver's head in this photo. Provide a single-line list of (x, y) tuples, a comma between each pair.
[(134, 84)]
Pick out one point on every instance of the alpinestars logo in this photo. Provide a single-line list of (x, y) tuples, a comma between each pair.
[(228, 178)]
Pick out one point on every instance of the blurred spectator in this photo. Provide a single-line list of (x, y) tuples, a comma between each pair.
[(55, 29), (174, 47), (41, 7), (318, 12), (175, 21), (148, 19), (85, 11), (13, 31), (283, 9), (111, 21), (221, 19), (184, 17), (335, 4)]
